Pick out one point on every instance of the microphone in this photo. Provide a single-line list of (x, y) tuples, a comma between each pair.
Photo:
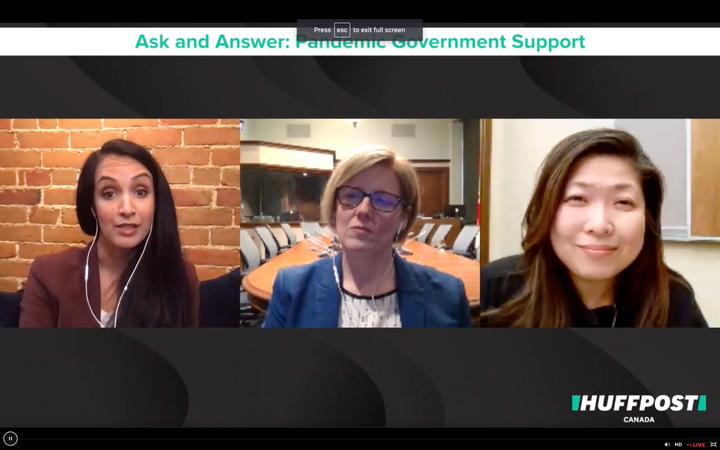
[(335, 243), (421, 234), (321, 234), (404, 251), (316, 242)]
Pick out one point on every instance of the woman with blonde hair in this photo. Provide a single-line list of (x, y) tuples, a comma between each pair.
[(371, 202)]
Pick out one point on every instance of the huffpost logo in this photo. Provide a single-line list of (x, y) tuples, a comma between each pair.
[(643, 403)]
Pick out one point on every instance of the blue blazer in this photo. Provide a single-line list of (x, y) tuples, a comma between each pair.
[(307, 296)]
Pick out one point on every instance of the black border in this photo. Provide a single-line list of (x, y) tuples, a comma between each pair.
[(629, 432)]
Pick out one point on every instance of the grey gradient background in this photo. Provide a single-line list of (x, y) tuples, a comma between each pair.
[(417, 378), (367, 87), (339, 378)]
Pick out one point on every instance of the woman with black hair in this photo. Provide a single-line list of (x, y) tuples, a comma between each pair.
[(133, 273)]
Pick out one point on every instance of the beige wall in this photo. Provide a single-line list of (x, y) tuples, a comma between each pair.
[(262, 154), (435, 139), (518, 148)]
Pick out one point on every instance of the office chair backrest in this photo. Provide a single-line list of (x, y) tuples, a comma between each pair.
[(292, 237), (466, 238), (249, 250), (268, 241), (310, 228), (275, 233), (440, 234), (427, 228)]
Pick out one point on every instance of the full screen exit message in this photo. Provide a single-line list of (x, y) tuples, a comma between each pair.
[(359, 30)]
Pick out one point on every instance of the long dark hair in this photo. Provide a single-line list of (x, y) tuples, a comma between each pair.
[(159, 294), (545, 298)]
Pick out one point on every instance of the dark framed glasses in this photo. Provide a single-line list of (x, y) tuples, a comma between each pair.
[(380, 201)]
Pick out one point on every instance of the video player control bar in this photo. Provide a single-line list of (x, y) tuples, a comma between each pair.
[(359, 30)]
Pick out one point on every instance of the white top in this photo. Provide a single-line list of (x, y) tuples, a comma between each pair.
[(106, 318), (363, 312)]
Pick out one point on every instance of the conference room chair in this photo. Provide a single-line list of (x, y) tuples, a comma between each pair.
[(277, 235), (290, 233), (10, 309), (465, 242), (251, 260), (250, 252), (268, 240), (438, 239), (427, 229), (311, 228), (280, 236), (258, 246)]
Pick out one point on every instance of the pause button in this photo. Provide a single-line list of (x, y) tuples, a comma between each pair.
[(10, 438)]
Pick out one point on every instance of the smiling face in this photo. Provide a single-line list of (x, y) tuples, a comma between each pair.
[(364, 227), (124, 201), (599, 228)]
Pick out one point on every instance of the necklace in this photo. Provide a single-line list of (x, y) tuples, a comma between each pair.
[(614, 316), (351, 309), (354, 324)]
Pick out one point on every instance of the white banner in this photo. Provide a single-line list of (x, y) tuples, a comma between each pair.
[(284, 42)]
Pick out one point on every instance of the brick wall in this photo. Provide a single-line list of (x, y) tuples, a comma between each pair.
[(40, 160)]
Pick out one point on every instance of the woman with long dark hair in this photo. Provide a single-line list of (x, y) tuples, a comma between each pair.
[(133, 273), (593, 252)]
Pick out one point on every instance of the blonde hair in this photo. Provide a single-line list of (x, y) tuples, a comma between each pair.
[(363, 159)]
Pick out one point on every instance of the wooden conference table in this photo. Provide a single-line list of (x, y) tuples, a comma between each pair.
[(259, 282)]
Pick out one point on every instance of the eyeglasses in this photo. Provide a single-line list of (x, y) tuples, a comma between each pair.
[(380, 201)]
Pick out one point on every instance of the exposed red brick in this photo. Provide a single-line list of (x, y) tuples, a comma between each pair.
[(40, 160)]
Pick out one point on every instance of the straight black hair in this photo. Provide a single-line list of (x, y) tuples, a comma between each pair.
[(159, 294)]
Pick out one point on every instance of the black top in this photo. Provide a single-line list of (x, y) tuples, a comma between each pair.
[(10, 309), (500, 280), (220, 301)]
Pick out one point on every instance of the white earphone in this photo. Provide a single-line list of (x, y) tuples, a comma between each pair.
[(337, 277), (87, 272)]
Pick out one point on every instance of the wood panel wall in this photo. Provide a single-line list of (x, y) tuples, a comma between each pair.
[(705, 178)]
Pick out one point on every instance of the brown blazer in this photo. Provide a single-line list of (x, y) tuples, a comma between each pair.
[(54, 294)]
